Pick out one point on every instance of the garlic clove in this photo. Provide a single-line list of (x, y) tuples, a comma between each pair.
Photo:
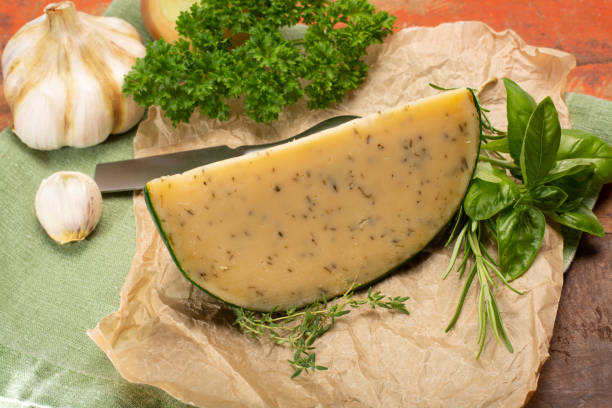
[(118, 32), (68, 206), (110, 63), (92, 121), (127, 111), (43, 104)]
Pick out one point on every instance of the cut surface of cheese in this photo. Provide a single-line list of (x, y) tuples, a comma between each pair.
[(281, 227)]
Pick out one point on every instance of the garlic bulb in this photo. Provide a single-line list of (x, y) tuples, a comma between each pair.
[(63, 74), (68, 206)]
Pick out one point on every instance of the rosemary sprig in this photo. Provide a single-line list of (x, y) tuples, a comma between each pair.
[(483, 266), (300, 328)]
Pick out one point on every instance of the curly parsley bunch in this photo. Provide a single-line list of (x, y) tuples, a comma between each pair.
[(269, 72)]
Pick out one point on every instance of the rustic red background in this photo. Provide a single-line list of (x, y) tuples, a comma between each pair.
[(579, 372)]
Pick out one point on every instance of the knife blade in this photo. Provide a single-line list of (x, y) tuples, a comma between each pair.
[(129, 175)]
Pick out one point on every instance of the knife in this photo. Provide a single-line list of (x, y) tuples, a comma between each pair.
[(128, 175)]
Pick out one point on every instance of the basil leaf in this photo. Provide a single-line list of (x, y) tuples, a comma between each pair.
[(548, 197), (571, 237), (484, 199), (576, 144), (569, 205), (582, 219), (486, 172), (519, 107), (541, 143), (568, 167), (520, 231), (576, 183), (499, 145)]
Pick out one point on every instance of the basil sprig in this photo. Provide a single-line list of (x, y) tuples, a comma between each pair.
[(533, 172)]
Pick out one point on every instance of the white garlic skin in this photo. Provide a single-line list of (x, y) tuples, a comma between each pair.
[(63, 74), (68, 206)]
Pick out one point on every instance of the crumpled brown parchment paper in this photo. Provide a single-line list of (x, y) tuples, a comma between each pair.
[(169, 334)]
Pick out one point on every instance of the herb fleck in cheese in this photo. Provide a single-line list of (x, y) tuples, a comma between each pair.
[(283, 226)]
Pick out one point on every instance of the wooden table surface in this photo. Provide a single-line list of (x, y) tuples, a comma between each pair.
[(579, 371)]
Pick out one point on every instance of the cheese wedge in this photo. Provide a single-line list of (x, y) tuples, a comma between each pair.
[(342, 207)]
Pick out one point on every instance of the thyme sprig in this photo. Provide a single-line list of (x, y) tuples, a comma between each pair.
[(300, 328)]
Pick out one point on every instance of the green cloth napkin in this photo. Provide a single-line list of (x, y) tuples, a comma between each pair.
[(51, 294)]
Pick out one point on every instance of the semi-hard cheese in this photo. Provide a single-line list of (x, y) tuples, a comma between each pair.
[(342, 207)]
